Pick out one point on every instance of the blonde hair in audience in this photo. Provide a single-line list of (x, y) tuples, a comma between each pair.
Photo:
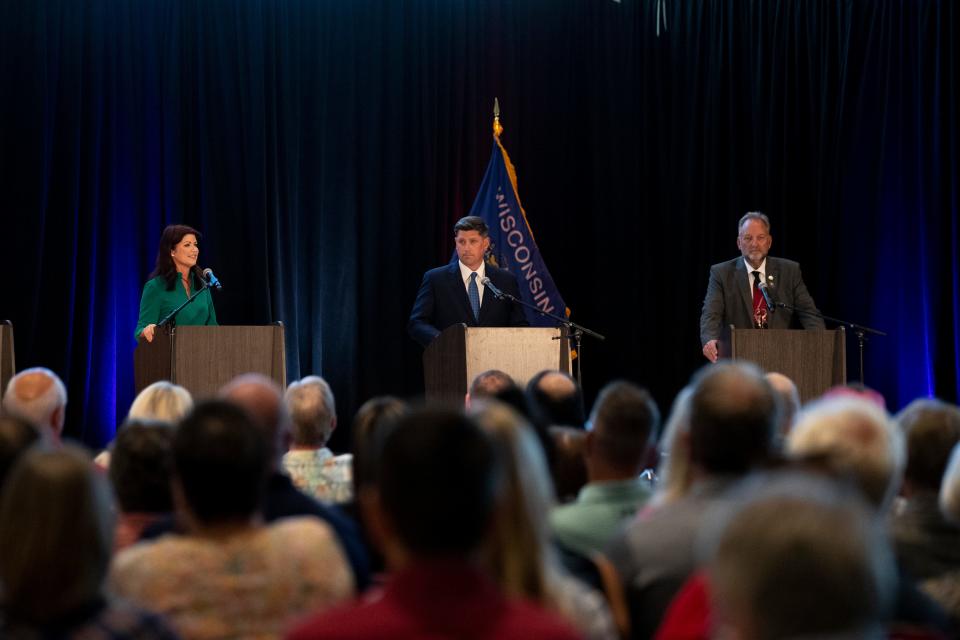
[(517, 548), (56, 532), (675, 474), (163, 401)]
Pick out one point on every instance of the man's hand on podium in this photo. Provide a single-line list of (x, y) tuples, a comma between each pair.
[(709, 350)]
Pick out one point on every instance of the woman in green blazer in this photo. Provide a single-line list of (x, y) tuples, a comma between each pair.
[(175, 278)]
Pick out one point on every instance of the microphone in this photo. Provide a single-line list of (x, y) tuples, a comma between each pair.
[(485, 281), (771, 303), (210, 278)]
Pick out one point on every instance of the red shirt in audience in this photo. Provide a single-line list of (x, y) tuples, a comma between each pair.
[(437, 598)]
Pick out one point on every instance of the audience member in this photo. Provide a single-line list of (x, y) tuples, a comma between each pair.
[(487, 385), (518, 400), (733, 413), (674, 474), (624, 418), (856, 390), (230, 576), (789, 405), (431, 502), (945, 588), (851, 440), (16, 436), (798, 558), (38, 396), (557, 398), (161, 401), (569, 469), (519, 549), (371, 419), (314, 469), (927, 544), (373, 416), (140, 472), (56, 532), (851, 435), (262, 399)]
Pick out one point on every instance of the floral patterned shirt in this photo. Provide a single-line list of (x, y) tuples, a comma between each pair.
[(319, 473)]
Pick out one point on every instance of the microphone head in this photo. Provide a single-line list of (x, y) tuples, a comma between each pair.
[(484, 280), (210, 278)]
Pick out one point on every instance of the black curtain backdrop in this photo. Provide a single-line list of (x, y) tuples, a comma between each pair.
[(325, 149)]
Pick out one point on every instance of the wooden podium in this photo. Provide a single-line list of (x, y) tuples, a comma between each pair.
[(203, 359), (8, 366), (814, 359), (459, 353)]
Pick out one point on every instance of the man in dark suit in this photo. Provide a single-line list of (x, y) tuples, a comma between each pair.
[(455, 293), (733, 293)]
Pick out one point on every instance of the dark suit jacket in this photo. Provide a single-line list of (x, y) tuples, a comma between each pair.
[(729, 298), (442, 301)]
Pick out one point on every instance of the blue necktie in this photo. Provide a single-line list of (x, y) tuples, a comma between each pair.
[(473, 292)]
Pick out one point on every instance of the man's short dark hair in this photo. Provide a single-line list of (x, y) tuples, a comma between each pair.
[(932, 429), (624, 418), (556, 409), (489, 383), (471, 223), (733, 414), (438, 478), (141, 463), (221, 458)]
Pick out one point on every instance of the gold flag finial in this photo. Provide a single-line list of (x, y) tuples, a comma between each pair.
[(497, 129)]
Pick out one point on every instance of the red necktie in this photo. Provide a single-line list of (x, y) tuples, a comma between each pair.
[(759, 304)]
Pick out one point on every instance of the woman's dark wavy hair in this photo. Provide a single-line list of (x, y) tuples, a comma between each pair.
[(171, 236)]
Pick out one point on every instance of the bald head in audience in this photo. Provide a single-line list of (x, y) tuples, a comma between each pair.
[(262, 398), (557, 397), (39, 396), (488, 384)]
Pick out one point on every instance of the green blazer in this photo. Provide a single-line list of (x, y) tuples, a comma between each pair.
[(157, 302)]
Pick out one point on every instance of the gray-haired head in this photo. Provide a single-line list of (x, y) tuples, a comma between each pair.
[(313, 413)]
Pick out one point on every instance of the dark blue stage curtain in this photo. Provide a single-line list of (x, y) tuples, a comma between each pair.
[(324, 148)]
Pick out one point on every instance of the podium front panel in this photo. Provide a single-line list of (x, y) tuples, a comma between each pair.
[(522, 352), (203, 359), (460, 353), (206, 358), (814, 359)]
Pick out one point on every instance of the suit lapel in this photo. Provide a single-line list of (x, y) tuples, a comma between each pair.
[(773, 279), (743, 286), (488, 297), (460, 292)]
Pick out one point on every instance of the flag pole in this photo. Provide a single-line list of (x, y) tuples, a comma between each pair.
[(497, 128)]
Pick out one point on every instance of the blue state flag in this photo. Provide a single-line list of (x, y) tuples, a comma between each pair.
[(512, 246)]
